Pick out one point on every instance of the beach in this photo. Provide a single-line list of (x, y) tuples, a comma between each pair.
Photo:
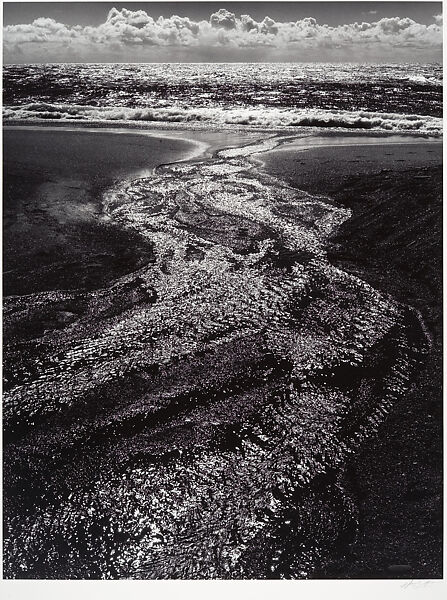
[(55, 231), (394, 241), (326, 165), (135, 365), (222, 294)]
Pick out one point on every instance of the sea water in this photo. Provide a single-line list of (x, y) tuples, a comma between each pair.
[(379, 97)]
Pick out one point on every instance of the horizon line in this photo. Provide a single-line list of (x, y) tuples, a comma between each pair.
[(222, 63)]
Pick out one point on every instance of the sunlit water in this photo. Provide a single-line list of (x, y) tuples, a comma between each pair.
[(395, 98), (194, 417)]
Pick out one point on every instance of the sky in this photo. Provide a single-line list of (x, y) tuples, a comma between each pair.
[(222, 32)]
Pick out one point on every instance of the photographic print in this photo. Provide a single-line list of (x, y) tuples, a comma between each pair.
[(222, 290)]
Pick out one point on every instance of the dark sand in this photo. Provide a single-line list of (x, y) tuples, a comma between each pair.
[(394, 242), (55, 233), (325, 170)]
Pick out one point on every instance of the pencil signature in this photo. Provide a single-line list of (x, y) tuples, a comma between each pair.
[(416, 583)]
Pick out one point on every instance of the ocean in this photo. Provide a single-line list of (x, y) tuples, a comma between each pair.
[(393, 98)]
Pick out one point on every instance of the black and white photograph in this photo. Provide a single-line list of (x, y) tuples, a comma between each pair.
[(222, 291)]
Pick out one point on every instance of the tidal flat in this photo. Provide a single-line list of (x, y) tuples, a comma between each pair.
[(199, 354)]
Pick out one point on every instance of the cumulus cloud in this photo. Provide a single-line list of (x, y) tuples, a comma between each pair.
[(223, 18), (41, 30), (126, 28)]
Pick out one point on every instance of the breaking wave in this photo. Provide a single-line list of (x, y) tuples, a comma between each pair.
[(271, 118)]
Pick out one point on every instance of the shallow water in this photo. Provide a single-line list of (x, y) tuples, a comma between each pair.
[(192, 418), (55, 232)]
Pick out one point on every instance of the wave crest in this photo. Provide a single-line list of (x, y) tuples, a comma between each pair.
[(276, 118)]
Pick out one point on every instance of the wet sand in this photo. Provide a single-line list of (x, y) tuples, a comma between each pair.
[(326, 169), (164, 393), (394, 242), (55, 233)]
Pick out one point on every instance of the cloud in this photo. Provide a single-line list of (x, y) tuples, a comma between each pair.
[(223, 18), (132, 29), (41, 30)]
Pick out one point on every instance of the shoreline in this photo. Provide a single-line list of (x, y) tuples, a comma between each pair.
[(345, 240), (208, 144), (301, 130), (53, 215), (322, 141), (205, 146)]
